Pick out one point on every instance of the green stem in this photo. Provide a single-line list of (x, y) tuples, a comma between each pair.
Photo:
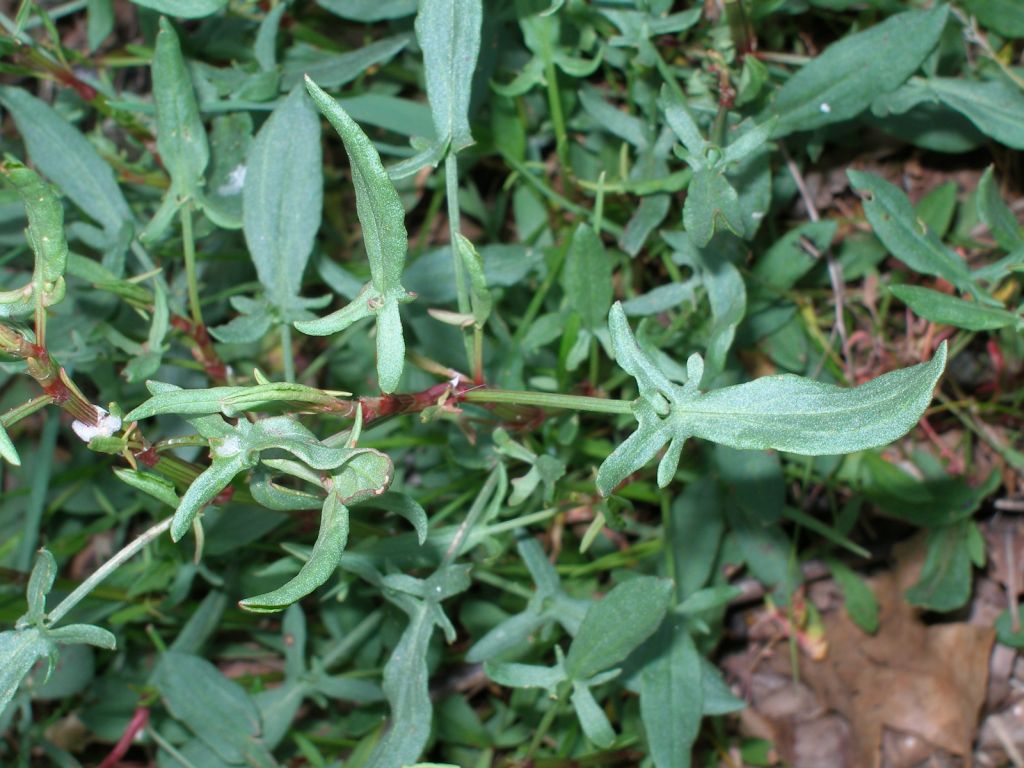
[(557, 118), (23, 411), (534, 307), (451, 179), (189, 245), (549, 400), (545, 722), (353, 640), (286, 352), (87, 586)]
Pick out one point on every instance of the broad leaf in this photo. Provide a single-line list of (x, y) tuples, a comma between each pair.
[(844, 80), (283, 197), (19, 651), (66, 157), (788, 413), (617, 624), (995, 107), (448, 32)]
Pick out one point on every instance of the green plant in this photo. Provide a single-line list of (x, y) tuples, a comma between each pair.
[(477, 349)]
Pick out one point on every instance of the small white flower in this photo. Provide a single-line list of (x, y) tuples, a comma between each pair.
[(825, 107), (234, 183), (106, 426)]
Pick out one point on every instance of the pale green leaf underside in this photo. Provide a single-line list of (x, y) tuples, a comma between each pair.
[(787, 413)]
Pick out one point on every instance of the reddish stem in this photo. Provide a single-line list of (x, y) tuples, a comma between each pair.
[(203, 350), (139, 721)]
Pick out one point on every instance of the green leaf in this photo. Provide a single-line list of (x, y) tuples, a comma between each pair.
[(945, 582), (45, 233), (479, 295), (1000, 220), (100, 22), (7, 449), (334, 70), (513, 675), (788, 413), (844, 80), (209, 484), (86, 634), (995, 107), (282, 198), (66, 157), (711, 204), (383, 221), (858, 598), (231, 401), (448, 32), (907, 238), (19, 652), (185, 9), (1003, 16), (592, 718), (181, 138), (40, 582), (672, 696), (322, 562), (215, 709), (617, 624), (587, 277), (949, 310)]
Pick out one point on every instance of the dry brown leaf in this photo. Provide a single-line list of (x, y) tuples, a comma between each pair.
[(928, 681)]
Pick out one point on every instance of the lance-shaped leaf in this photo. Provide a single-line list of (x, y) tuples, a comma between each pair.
[(998, 217), (231, 401), (405, 675), (239, 451), (787, 413), (616, 624), (943, 308), (19, 651), (323, 560), (7, 449), (45, 236), (893, 219), (365, 473), (448, 32), (282, 199), (849, 74), (66, 157), (383, 220), (181, 138), (186, 9), (672, 695)]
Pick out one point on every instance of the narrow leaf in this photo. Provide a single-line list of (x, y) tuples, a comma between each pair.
[(672, 696), (66, 157), (949, 310), (997, 216), (587, 277), (322, 562), (844, 80), (19, 651), (448, 32), (282, 198), (896, 225), (185, 9), (181, 138)]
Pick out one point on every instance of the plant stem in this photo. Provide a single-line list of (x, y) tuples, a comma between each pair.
[(82, 590), (286, 352), (557, 118), (451, 179), (548, 400), (189, 245), (353, 640), (545, 723)]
